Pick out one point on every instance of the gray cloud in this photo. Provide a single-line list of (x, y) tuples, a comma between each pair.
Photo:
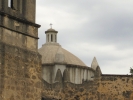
[(89, 28)]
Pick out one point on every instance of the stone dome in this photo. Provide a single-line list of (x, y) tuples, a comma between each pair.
[(51, 30), (54, 53)]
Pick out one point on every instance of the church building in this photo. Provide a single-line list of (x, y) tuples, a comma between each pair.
[(59, 64), (50, 72)]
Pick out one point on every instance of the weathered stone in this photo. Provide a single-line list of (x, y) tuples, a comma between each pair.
[(20, 64), (18, 51)]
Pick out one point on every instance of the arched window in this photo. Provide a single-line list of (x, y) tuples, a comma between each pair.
[(10, 3), (51, 38)]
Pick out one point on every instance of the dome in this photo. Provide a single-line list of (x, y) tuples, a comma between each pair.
[(54, 53), (51, 30)]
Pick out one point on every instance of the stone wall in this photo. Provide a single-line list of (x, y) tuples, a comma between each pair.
[(17, 23), (20, 73), (23, 9), (18, 33), (106, 87), (20, 63), (70, 91), (116, 87)]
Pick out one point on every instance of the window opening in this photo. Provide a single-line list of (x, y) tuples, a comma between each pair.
[(51, 38), (48, 38), (10, 3)]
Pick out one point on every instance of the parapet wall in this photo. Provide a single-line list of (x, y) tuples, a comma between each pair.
[(106, 87), (70, 91), (116, 87)]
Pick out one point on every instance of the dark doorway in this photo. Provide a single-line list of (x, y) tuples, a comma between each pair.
[(43, 99)]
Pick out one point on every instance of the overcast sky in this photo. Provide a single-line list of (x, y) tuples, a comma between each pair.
[(88, 28)]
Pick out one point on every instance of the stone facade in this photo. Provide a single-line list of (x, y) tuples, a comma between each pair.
[(20, 74), (20, 63), (17, 25), (106, 87), (26, 75), (116, 87)]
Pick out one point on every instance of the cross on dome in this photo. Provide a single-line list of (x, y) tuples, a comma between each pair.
[(51, 25)]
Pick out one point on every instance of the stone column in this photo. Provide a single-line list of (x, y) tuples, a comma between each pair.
[(46, 38), (49, 37), (53, 37)]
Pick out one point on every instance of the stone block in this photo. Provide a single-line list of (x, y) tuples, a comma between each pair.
[(18, 63)]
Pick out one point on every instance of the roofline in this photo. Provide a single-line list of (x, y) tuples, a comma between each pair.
[(117, 75), (70, 65), (22, 20), (51, 31)]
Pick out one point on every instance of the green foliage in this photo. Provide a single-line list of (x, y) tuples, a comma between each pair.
[(131, 71)]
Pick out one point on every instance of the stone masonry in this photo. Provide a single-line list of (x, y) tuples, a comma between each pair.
[(20, 63)]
